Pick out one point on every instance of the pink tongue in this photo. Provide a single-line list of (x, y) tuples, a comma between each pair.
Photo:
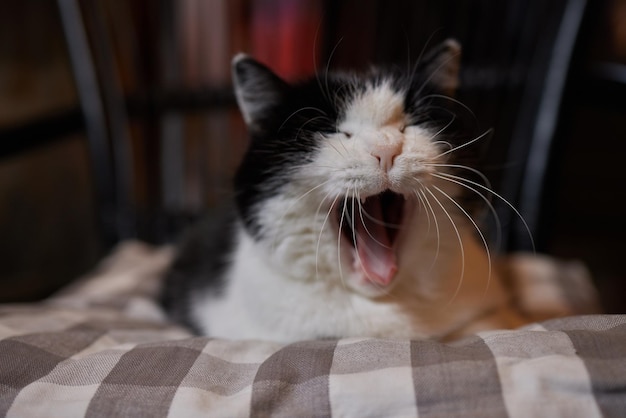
[(373, 246)]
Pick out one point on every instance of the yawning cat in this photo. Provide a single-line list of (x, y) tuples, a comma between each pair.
[(349, 217)]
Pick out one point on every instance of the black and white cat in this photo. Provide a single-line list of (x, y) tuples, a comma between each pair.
[(349, 216)]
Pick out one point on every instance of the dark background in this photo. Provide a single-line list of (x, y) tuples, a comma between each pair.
[(174, 136)]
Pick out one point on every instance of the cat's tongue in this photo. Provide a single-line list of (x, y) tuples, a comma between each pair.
[(374, 246)]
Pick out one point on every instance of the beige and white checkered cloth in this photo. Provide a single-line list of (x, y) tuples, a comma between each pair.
[(103, 348)]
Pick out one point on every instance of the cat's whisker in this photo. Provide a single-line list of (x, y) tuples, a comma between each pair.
[(341, 220), (443, 129), (354, 242), (319, 238), (437, 230), (338, 97), (365, 246), (344, 147), (442, 65), (445, 143), (326, 92), (461, 247), (462, 167), (323, 91), (315, 66), (330, 169), (379, 222), (458, 180), (356, 194), (417, 119), (367, 215), (466, 144), (295, 202), (354, 233), (421, 55), (433, 262), (506, 202), (336, 150), (422, 207), (482, 237), (298, 111), (306, 123), (452, 99)]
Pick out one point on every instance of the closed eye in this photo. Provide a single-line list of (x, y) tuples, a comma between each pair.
[(346, 134)]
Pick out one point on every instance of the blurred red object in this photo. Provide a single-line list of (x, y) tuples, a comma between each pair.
[(286, 35)]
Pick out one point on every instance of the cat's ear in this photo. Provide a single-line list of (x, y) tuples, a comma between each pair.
[(442, 65), (257, 88)]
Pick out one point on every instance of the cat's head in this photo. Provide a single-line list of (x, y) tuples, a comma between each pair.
[(368, 141)]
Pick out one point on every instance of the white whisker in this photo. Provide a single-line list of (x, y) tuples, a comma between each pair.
[(468, 143), (421, 55), (367, 215), (422, 206), (432, 265), (446, 143), (356, 249), (458, 180), (443, 129), (434, 72), (319, 238), (330, 58), (306, 123), (379, 222), (463, 167), (365, 246), (342, 217), (519, 215), (286, 211), (458, 235), (298, 111), (482, 237), (336, 150), (452, 99)]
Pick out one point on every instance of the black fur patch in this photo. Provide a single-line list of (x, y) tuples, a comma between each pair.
[(202, 256)]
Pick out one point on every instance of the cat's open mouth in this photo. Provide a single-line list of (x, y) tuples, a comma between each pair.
[(372, 228)]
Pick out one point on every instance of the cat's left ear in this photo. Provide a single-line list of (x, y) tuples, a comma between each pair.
[(257, 88), (442, 65)]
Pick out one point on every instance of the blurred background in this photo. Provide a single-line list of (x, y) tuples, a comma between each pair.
[(117, 118)]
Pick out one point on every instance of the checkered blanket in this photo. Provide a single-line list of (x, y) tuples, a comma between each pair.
[(104, 348)]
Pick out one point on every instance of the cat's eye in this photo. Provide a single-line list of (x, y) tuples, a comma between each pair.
[(346, 134), (402, 129)]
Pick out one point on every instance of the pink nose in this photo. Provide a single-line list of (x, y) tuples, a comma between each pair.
[(386, 153)]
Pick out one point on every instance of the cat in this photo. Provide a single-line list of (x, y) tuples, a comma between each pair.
[(349, 216)]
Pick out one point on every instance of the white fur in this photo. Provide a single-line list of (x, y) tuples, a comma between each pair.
[(299, 282)]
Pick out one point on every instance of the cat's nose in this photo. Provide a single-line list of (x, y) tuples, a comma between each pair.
[(386, 153)]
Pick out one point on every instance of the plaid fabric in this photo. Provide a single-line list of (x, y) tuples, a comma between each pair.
[(103, 348)]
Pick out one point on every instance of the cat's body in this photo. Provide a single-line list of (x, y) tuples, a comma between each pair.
[(288, 263)]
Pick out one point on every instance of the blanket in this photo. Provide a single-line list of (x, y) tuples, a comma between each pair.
[(103, 347)]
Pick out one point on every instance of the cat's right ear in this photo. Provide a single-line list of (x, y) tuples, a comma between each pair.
[(257, 88)]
